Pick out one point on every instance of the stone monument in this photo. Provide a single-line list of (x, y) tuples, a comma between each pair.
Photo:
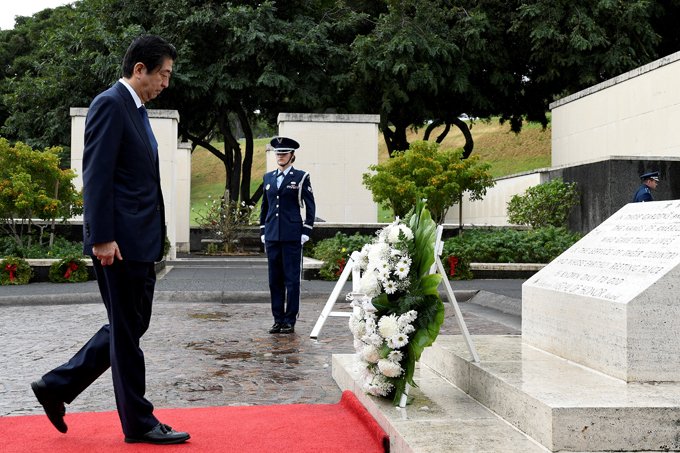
[(597, 367), (612, 301)]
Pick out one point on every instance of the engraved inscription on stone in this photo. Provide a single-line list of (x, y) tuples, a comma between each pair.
[(626, 253)]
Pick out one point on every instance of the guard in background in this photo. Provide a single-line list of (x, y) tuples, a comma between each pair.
[(286, 191), (649, 182)]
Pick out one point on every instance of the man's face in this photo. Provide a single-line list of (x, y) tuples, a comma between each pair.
[(150, 84), (652, 183)]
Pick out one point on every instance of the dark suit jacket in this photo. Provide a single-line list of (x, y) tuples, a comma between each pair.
[(121, 180), (280, 218)]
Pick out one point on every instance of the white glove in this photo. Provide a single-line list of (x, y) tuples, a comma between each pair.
[(304, 238), (262, 238)]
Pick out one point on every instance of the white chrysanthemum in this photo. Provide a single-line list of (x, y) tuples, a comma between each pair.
[(402, 268), (369, 284), (407, 329), (393, 234), (408, 317), (382, 270), (388, 326), (397, 341), (378, 252), (373, 339), (352, 324), (370, 324), (376, 385), (390, 287), (384, 233), (358, 345), (368, 306), (357, 327), (395, 356), (370, 354), (361, 258), (389, 368)]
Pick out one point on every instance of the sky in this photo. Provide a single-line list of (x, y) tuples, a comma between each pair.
[(12, 8)]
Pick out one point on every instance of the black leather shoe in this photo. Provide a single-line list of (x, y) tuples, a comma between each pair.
[(161, 435), (276, 328), (54, 408), (287, 328)]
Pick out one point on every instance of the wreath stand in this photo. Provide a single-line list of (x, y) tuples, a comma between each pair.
[(437, 266), (328, 308)]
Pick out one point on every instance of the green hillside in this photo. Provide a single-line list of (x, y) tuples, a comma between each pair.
[(507, 152)]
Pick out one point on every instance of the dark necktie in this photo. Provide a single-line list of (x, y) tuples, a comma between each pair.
[(149, 132), (279, 179)]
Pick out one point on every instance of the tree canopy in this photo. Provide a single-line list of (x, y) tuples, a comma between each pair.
[(418, 63)]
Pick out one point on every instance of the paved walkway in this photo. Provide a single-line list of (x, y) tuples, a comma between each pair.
[(208, 343)]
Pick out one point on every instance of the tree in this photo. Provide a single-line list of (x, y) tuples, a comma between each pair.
[(436, 59), (418, 63), (426, 172), (32, 186)]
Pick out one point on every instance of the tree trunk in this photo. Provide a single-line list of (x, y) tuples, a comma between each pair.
[(248, 158), (469, 143), (394, 139), (430, 127), (232, 152)]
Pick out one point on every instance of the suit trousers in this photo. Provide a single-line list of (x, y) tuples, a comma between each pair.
[(285, 266), (127, 289)]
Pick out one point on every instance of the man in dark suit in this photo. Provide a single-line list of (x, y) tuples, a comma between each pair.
[(649, 182), (286, 191), (124, 233)]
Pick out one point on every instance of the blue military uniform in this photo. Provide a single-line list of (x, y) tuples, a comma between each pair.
[(282, 228), (644, 193)]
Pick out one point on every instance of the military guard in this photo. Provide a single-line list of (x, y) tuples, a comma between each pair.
[(286, 191), (649, 182)]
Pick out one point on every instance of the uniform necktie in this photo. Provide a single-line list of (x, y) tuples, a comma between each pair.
[(279, 179), (149, 132)]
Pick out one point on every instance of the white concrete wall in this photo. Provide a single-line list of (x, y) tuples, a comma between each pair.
[(634, 114), (336, 150), (492, 210), (175, 168)]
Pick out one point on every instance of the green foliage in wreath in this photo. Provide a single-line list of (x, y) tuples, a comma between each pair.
[(71, 269), (15, 271)]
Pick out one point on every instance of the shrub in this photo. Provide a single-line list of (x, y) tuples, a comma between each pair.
[(59, 249), (424, 171), (546, 204), (71, 269), (226, 221), (506, 246), (335, 251), (15, 271), (32, 186)]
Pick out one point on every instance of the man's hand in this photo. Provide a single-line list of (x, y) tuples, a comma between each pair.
[(304, 238), (262, 238), (106, 252)]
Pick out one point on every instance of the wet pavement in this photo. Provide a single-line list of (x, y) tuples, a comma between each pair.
[(200, 350)]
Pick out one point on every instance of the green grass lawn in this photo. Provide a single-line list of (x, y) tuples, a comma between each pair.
[(507, 152)]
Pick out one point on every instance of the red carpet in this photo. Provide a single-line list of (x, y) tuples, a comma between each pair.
[(344, 427)]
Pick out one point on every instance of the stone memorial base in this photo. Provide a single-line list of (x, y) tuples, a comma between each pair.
[(562, 405)]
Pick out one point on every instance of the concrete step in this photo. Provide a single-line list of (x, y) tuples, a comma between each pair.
[(439, 417), (563, 405)]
